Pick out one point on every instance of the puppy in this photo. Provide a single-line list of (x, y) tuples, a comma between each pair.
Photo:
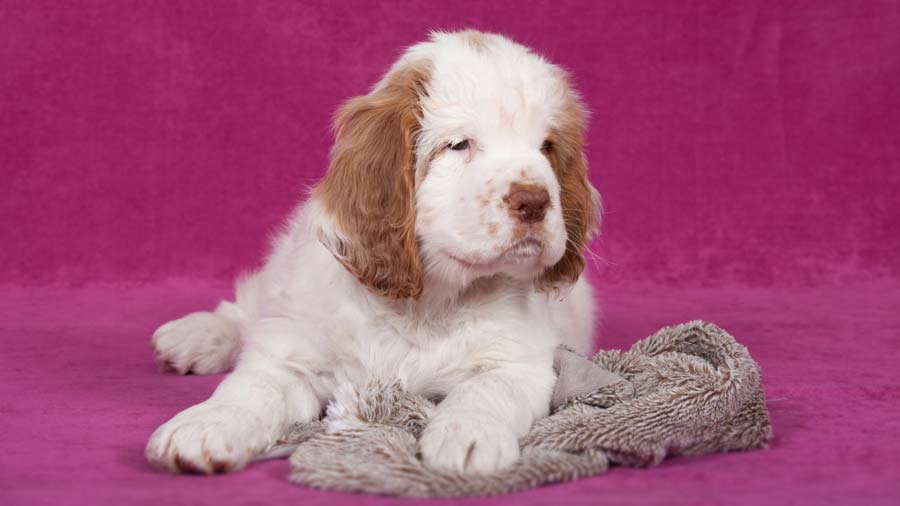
[(442, 249)]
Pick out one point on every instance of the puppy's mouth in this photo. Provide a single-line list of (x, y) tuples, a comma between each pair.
[(524, 251), (526, 248)]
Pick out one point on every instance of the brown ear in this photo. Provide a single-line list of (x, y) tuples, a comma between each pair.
[(369, 188), (580, 202)]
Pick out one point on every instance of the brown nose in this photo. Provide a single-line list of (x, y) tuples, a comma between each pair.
[(527, 202)]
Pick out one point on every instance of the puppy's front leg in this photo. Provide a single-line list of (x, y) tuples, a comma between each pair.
[(249, 410), (477, 427)]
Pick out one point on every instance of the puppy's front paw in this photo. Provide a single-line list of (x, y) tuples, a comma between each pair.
[(207, 438), (468, 443), (201, 343)]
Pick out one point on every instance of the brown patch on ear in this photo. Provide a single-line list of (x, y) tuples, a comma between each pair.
[(579, 209), (370, 190)]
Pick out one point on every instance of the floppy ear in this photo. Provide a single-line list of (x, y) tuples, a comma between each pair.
[(580, 201), (369, 188)]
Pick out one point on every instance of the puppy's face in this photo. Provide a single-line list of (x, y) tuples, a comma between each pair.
[(488, 199), (467, 162)]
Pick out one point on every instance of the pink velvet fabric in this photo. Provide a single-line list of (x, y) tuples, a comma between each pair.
[(747, 153)]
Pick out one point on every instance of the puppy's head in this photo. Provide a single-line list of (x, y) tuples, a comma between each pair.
[(465, 161)]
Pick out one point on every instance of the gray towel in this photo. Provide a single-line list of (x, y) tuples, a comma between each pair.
[(688, 389)]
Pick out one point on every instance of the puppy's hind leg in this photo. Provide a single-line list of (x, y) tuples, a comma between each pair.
[(202, 342)]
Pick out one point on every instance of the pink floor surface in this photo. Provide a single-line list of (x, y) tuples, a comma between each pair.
[(80, 393)]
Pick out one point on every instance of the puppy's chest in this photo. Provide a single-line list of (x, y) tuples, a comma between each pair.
[(428, 360)]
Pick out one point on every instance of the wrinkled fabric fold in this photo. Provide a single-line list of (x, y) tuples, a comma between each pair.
[(689, 389)]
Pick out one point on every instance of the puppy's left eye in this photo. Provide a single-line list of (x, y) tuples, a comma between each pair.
[(460, 145), (546, 147)]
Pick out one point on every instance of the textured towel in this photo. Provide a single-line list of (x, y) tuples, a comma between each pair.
[(688, 389)]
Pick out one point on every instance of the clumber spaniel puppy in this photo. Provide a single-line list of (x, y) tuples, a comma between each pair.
[(442, 249)]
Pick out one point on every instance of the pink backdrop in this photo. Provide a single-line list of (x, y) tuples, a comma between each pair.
[(747, 153), (731, 140)]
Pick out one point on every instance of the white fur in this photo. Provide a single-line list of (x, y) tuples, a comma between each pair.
[(480, 337)]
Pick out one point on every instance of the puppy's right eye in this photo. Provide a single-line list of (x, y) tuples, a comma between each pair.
[(460, 145)]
